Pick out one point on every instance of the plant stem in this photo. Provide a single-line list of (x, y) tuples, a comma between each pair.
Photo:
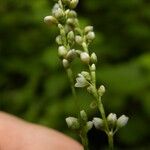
[(102, 111), (70, 77), (110, 141), (84, 140)]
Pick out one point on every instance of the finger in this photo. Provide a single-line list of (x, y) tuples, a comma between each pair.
[(16, 134)]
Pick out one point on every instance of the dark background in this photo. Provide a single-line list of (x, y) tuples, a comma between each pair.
[(33, 84)]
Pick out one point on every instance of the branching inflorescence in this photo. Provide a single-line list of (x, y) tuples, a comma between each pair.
[(72, 36)]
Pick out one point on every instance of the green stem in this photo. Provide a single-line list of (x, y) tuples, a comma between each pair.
[(102, 111), (110, 141), (70, 77), (84, 140)]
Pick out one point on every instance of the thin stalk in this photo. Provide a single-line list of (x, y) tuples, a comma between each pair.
[(110, 141), (102, 111), (84, 140), (70, 77)]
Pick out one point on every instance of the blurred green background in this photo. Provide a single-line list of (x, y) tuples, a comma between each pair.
[(33, 84)]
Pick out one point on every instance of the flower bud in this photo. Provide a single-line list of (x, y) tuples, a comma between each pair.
[(90, 36), (70, 36), (71, 55), (78, 39), (72, 21), (98, 123), (72, 123), (81, 81), (59, 13), (73, 4), (83, 115), (85, 58), (88, 29), (86, 75), (66, 63), (50, 20), (112, 118), (89, 125), (72, 14), (91, 89), (93, 58), (101, 90), (122, 121), (93, 67), (59, 40), (62, 51)]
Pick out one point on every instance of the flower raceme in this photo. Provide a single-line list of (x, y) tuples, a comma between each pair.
[(71, 35)]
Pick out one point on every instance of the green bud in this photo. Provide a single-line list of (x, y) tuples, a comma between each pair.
[(86, 75), (66, 63), (72, 21), (93, 67), (85, 58), (59, 13), (101, 90), (83, 115), (59, 40), (70, 36), (88, 29), (73, 123), (73, 3), (112, 119), (89, 125), (90, 36), (79, 39), (91, 89), (62, 51), (93, 58), (122, 121), (50, 20), (98, 123), (72, 14)]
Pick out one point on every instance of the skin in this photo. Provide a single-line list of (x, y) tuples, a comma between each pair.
[(17, 134)]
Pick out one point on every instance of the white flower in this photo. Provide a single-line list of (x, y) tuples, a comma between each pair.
[(62, 51), (112, 118), (93, 58), (50, 20), (81, 81), (98, 123), (72, 122), (84, 56), (90, 36), (88, 29), (101, 90), (122, 121)]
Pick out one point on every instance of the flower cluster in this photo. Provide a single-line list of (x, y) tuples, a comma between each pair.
[(71, 36), (113, 123), (80, 122)]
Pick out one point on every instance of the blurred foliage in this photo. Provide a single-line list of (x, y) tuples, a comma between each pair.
[(33, 84)]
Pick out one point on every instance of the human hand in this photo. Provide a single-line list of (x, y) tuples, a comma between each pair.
[(16, 134)]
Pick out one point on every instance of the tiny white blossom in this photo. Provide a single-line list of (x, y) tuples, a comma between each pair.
[(112, 118), (90, 36), (122, 121), (50, 20), (81, 81), (88, 29), (85, 57), (72, 122), (98, 123)]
